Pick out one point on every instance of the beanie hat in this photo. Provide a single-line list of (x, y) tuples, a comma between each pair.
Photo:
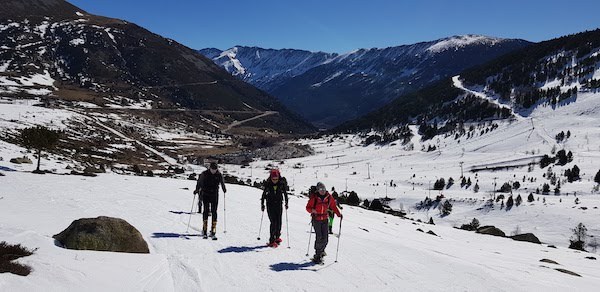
[(274, 173), (321, 186)]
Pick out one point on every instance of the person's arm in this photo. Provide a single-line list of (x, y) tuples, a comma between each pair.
[(263, 197), (310, 204), (199, 183), (285, 190)]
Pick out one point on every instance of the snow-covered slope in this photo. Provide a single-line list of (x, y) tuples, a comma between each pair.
[(376, 250)]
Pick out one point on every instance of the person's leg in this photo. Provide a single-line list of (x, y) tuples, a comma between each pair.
[(214, 203), (205, 214), (321, 235), (271, 212), (200, 202), (278, 214)]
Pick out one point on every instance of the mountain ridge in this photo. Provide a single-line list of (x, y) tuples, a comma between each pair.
[(357, 82)]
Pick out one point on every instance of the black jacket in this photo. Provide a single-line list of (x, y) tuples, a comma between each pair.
[(209, 183), (275, 195)]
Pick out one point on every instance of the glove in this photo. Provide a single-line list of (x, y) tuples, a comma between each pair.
[(195, 192), (262, 208), (341, 216), (313, 189), (286, 206)]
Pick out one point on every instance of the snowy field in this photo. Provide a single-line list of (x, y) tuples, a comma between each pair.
[(377, 251)]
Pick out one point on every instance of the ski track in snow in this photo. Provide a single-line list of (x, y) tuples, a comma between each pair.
[(458, 84), (165, 157)]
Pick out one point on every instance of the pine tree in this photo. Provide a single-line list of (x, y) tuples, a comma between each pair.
[(446, 208), (439, 184), (39, 138), (450, 182), (353, 199), (530, 198), (545, 188), (579, 237), (509, 203)]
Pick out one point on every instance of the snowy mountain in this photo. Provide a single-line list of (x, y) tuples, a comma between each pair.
[(355, 83), (266, 68), (552, 74), (51, 48)]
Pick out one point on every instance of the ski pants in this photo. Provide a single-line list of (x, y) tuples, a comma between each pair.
[(274, 210), (211, 201), (321, 234), (200, 202)]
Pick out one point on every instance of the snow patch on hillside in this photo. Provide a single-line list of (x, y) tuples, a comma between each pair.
[(462, 41)]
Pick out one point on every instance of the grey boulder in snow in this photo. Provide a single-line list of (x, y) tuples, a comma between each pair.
[(102, 234), (491, 230), (528, 237)]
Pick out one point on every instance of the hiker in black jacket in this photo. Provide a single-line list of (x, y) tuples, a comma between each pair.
[(275, 191), (208, 188)]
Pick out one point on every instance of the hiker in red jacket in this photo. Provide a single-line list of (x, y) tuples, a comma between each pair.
[(318, 204)]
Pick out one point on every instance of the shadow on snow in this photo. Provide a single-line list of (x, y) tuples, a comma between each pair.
[(183, 212), (280, 267), (174, 235), (239, 249)]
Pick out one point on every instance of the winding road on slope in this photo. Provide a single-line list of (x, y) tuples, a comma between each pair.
[(237, 123)]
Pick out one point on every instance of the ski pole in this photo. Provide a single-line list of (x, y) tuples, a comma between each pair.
[(261, 221), (193, 201), (287, 227), (339, 237), (224, 213), (309, 236)]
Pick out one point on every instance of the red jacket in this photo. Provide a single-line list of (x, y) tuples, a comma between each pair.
[(321, 206)]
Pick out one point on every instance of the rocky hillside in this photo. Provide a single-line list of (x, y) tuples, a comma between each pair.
[(51, 48)]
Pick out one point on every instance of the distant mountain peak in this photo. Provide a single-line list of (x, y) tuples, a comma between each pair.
[(356, 82), (461, 41)]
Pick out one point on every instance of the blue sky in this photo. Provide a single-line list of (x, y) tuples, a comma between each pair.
[(342, 26)]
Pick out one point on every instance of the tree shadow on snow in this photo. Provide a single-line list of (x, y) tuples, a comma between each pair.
[(239, 249), (280, 267), (174, 235)]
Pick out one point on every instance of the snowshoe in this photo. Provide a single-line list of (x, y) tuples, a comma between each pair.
[(213, 236), (317, 260), (204, 235), (278, 240), (272, 244)]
